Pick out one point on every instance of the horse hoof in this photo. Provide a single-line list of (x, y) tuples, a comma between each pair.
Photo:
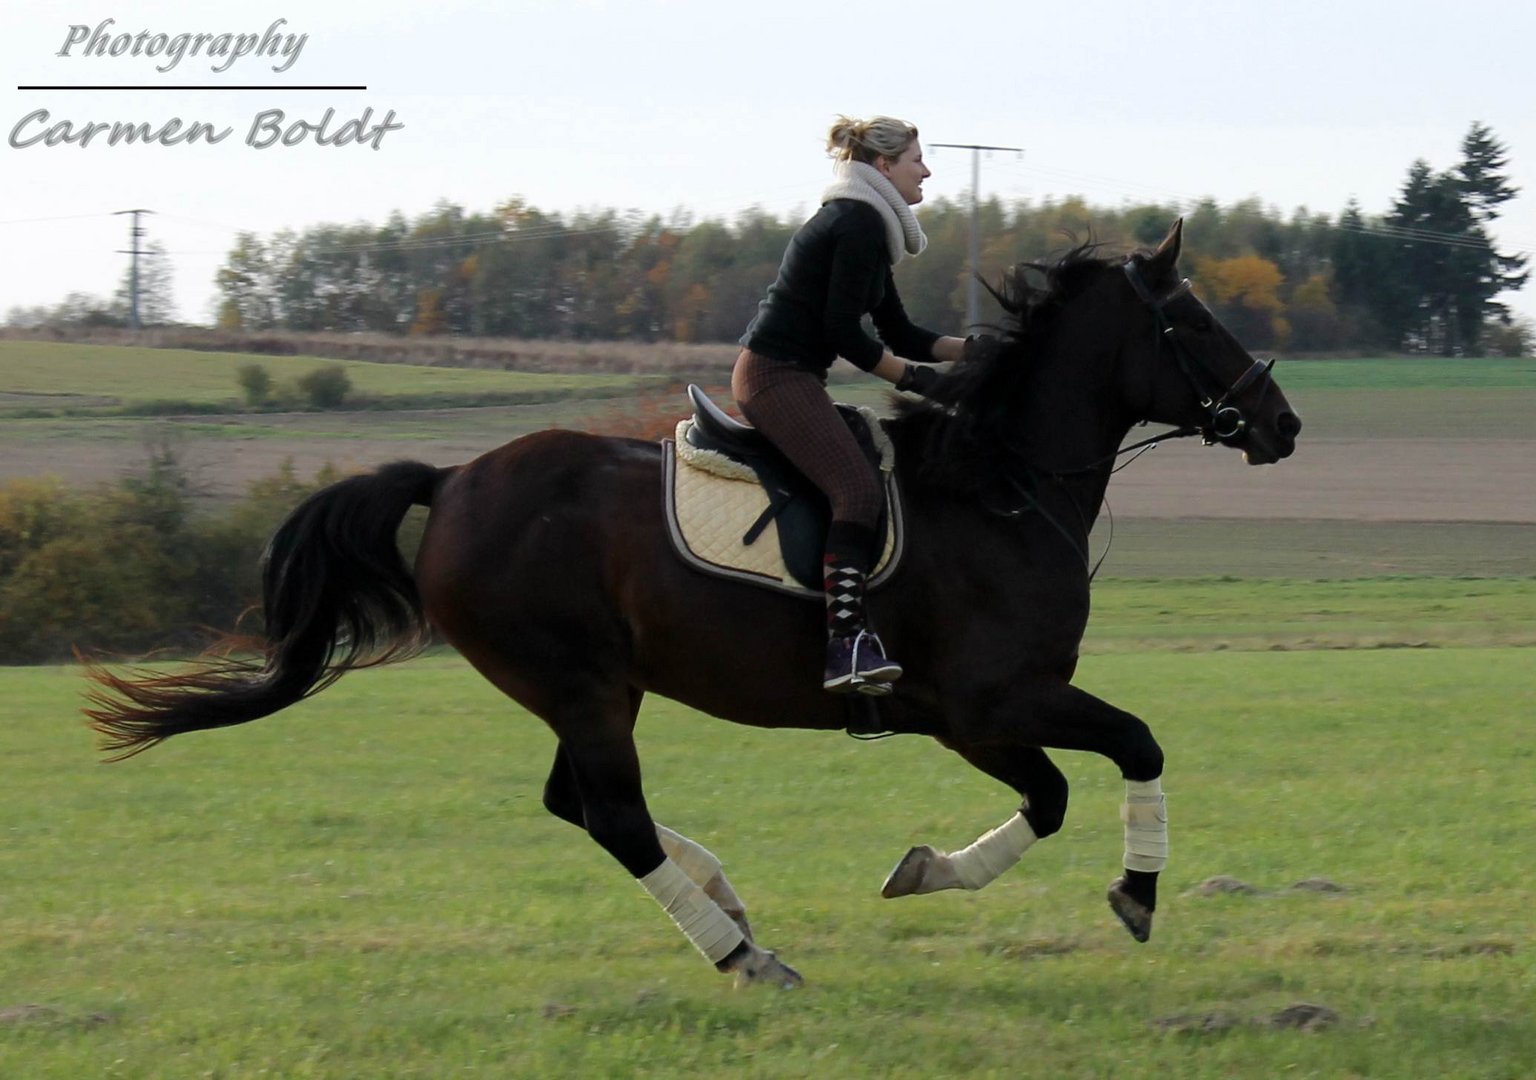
[(764, 968), (921, 870), (1136, 916)]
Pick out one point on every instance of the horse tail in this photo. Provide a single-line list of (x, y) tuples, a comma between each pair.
[(336, 595)]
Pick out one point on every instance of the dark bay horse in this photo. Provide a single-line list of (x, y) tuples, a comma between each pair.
[(547, 564)]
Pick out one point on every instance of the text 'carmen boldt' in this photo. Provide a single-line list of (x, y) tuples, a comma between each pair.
[(269, 127)]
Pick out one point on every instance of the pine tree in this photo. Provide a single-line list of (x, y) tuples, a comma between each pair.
[(1481, 173)]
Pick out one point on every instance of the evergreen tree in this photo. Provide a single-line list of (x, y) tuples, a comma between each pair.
[(1481, 173)]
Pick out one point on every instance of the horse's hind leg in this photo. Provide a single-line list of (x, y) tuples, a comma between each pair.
[(598, 747), (562, 799), (1028, 771)]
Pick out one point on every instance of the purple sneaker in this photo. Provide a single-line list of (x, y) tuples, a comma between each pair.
[(857, 663), (839, 678)]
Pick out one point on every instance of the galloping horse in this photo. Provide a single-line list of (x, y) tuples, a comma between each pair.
[(547, 564)]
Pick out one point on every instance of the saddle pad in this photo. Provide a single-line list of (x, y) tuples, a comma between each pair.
[(709, 513)]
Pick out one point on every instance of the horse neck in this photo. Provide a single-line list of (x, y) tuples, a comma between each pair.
[(1070, 413), (1072, 418)]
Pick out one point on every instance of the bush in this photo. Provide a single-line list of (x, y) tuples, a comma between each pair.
[(256, 382), (134, 565), (326, 387), (1514, 339)]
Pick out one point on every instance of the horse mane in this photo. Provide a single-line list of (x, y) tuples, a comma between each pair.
[(965, 423)]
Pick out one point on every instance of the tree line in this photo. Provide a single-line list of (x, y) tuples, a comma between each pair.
[(1424, 277)]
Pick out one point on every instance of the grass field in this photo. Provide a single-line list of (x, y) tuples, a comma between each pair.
[(48, 377), (368, 886)]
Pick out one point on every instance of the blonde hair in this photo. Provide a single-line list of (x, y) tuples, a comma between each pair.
[(866, 140)]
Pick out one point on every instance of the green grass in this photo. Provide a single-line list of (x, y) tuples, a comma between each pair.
[(1286, 614), (367, 886), (106, 377), (1409, 373), (1313, 550)]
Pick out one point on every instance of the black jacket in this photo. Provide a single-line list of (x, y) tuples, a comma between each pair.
[(835, 271)]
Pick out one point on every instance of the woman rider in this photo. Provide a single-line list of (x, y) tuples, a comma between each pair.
[(836, 270)]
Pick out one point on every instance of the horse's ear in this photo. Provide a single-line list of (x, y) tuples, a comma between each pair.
[(1163, 264)]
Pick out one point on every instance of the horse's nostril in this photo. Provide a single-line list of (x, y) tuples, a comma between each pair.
[(1288, 424)]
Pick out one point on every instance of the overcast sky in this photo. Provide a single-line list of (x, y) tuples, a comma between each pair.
[(717, 106)]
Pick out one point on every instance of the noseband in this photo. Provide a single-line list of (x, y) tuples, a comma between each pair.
[(1224, 420)]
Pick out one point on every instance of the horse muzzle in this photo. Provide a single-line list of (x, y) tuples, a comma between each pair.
[(1267, 444)]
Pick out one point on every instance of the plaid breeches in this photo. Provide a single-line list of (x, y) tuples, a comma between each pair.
[(791, 408)]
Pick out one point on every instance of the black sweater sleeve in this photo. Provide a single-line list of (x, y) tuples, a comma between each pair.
[(906, 339)]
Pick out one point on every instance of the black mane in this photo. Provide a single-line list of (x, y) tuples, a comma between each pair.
[(964, 427)]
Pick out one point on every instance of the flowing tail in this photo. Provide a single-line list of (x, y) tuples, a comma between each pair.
[(336, 595)]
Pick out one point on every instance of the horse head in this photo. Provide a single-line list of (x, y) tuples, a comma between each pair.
[(1187, 369)]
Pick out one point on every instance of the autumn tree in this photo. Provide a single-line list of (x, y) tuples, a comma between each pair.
[(248, 284), (1244, 292)]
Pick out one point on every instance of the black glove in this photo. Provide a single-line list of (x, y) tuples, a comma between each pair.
[(980, 346), (918, 379)]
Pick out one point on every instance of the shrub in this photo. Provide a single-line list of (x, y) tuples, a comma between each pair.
[(256, 382), (133, 565), (326, 387)]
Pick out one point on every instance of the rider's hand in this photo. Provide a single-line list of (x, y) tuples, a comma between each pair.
[(918, 379)]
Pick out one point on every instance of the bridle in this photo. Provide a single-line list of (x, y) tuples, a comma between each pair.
[(1224, 419)]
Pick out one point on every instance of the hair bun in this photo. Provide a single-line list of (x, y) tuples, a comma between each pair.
[(866, 140)]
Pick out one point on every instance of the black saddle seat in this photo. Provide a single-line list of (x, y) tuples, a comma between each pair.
[(718, 430), (721, 428)]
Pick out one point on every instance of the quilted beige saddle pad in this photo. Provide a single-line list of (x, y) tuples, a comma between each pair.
[(711, 502)]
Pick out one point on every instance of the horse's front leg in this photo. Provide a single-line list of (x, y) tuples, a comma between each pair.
[(1028, 771), (1053, 713)]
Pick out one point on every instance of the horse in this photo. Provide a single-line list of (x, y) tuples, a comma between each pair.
[(547, 564)]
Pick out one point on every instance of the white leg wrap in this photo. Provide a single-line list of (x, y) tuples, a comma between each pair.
[(696, 860), (993, 853), (711, 930), (700, 864), (1145, 813)]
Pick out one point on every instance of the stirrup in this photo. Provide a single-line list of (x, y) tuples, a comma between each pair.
[(871, 665), (858, 664)]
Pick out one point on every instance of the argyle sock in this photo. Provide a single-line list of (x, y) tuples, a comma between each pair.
[(845, 569)]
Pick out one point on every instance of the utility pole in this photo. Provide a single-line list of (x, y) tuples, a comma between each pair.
[(972, 297), (134, 234)]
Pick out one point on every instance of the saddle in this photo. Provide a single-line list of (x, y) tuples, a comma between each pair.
[(737, 508)]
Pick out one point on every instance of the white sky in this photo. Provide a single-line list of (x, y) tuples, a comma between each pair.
[(715, 106)]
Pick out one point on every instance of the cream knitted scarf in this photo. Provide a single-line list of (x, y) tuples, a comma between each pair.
[(864, 183)]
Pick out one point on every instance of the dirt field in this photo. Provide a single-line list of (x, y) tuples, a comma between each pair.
[(1418, 482), (1375, 479)]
